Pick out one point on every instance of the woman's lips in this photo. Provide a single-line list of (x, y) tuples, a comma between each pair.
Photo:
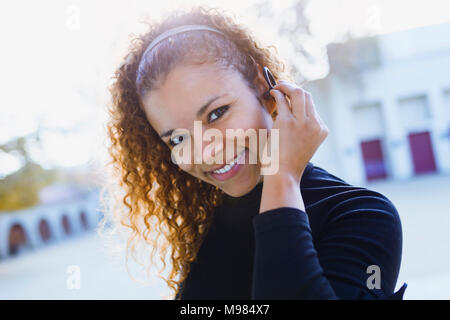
[(232, 172)]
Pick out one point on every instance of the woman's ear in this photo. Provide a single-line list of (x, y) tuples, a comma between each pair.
[(262, 86)]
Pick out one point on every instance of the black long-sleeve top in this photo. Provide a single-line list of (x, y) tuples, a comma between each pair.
[(327, 252)]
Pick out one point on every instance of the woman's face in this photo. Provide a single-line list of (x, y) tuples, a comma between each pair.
[(178, 102)]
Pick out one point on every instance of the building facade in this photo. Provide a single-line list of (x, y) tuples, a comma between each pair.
[(386, 102), (35, 227)]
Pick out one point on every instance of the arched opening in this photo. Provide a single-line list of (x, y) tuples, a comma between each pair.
[(17, 239), (84, 220), (44, 230), (66, 224)]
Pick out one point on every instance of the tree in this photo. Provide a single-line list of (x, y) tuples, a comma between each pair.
[(20, 189)]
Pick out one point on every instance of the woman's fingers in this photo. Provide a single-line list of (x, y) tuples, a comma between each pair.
[(309, 106), (302, 105), (297, 97), (297, 117), (283, 105)]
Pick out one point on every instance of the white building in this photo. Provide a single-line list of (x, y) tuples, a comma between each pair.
[(386, 102), (45, 223)]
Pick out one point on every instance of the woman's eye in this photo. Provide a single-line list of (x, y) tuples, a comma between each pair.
[(217, 113), (176, 140)]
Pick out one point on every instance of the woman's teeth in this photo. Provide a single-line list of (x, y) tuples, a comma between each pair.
[(227, 167)]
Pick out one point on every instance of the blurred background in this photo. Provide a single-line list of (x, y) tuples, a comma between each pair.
[(378, 72)]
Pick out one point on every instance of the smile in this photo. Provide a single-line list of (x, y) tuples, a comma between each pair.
[(229, 170)]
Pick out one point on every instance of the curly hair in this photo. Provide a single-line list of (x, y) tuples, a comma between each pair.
[(151, 195)]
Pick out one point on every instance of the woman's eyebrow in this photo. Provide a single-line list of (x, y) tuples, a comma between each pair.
[(200, 112), (167, 133)]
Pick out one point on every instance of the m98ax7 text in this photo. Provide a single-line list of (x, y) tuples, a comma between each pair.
[(246, 309)]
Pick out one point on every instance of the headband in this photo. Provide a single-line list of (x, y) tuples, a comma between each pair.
[(179, 29)]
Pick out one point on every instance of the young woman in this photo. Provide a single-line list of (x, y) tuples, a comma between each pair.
[(232, 232)]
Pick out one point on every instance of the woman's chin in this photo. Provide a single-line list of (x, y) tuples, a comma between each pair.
[(239, 189)]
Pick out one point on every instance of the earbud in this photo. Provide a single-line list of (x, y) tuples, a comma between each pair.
[(270, 81)]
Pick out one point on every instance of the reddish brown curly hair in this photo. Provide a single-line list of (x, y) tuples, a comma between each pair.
[(153, 197)]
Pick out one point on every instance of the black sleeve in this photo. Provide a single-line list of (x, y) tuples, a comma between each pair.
[(364, 230)]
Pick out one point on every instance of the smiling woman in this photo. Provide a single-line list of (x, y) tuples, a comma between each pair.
[(230, 230), (233, 105)]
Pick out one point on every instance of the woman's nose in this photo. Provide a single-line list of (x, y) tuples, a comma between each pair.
[(211, 152)]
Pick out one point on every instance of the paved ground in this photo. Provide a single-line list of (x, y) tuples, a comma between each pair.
[(43, 274), (423, 204)]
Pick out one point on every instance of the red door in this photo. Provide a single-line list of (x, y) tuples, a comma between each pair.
[(372, 153), (422, 152)]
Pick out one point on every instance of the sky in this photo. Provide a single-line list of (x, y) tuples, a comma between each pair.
[(58, 57)]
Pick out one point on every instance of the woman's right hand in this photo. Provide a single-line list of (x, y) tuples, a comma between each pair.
[(301, 130)]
